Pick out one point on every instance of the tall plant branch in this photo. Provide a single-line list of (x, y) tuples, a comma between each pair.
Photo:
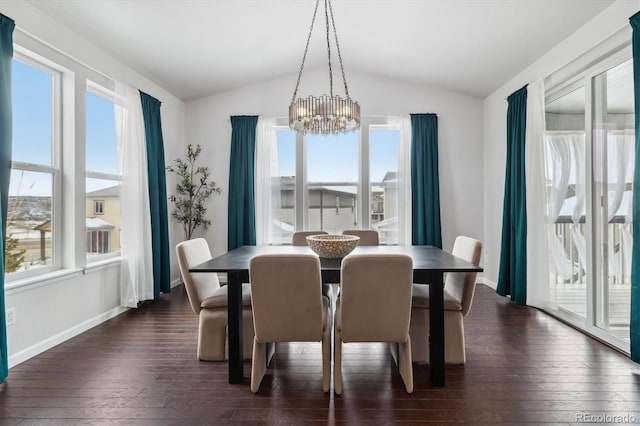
[(192, 190)]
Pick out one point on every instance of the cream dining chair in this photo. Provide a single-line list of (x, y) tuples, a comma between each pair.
[(458, 295), (368, 237), (209, 301), (301, 316), (299, 238), (375, 306)]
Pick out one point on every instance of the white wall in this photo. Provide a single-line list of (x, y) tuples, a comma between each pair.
[(459, 126), (48, 312), (595, 32)]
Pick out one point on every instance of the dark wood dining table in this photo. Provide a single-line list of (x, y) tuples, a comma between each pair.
[(429, 265)]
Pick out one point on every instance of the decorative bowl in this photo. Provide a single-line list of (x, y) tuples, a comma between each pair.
[(332, 246)]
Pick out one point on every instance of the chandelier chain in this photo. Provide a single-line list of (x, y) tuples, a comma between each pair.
[(326, 21), (306, 49), (335, 33), (325, 114)]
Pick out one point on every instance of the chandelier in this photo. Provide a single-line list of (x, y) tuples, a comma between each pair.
[(324, 114)]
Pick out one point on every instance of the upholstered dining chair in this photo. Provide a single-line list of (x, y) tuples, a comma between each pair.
[(302, 316), (368, 237), (208, 300), (458, 295), (375, 306), (299, 238)]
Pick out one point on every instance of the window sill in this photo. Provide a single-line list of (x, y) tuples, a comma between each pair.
[(48, 278)]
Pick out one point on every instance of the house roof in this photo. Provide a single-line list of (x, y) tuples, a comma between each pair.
[(112, 191), (95, 223)]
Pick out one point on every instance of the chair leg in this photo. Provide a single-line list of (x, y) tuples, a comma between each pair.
[(404, 365), (271, 350), (258, 364), (326, 359), (212, 329), (337, 362), (393, 348), (247, 333)]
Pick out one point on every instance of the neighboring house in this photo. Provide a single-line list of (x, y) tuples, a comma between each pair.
[(103, 220)]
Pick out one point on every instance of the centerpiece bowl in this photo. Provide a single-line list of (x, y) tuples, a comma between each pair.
[(332, 246)]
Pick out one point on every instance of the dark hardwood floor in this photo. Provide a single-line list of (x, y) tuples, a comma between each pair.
[(140, 369)]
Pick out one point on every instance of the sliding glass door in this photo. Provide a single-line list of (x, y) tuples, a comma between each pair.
[(590, 162)]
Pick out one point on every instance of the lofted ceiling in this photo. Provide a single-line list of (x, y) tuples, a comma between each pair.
[(195, 48)]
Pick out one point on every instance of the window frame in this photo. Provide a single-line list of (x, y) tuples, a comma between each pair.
[(581, 73), (56, 72), (97, 89), (363, 185)]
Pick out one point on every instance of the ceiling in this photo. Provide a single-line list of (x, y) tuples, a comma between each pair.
[(195, 48)]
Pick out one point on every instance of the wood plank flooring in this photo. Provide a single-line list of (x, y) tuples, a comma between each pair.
[(523, 366)]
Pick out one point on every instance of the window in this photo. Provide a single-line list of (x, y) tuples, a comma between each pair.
[(98, 207), (384, 155), (98, 241), (34, 186), (332, 181), (345, 181), (283, 193), (103, 179)]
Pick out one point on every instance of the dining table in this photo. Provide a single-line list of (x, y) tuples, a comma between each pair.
[(429, 266)]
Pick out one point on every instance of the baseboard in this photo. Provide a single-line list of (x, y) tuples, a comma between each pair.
[(176, 282), (487, 282), (52, 341)]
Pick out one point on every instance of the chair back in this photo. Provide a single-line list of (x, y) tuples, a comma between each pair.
[(201, 285), (461, 285), (300, 238), (375, 301), (368, 237), (286, 297)]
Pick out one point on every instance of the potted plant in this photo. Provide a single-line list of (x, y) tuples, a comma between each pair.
[(192, 190)]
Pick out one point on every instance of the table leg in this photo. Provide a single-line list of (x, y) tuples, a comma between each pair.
[(436, 331), (234, 306)]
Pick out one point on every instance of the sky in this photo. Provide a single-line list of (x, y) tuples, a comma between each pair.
[(334, 158), (32, 103)]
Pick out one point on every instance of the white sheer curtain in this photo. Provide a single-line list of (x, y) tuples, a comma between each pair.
[(404, 178), (136, 270), (566, 166), (620, 156), (558, 171), (539, 278), (578, 165), (267, 182)]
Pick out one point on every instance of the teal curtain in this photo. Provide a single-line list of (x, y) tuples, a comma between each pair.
[(242, 216), (425, 181), (635, 260), (6, 128), (512, 276), (157, 195)]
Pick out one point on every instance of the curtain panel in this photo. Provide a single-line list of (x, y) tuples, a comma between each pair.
[(157, 195), (539, 290), (425, 181), (6, 128), (136, 265), (512, 275), (267, 183), (404, 179), (241, 213), (635, 261)]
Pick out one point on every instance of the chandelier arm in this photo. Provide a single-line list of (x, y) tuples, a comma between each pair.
[(326, 21), (306, 49), (335, 33)]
